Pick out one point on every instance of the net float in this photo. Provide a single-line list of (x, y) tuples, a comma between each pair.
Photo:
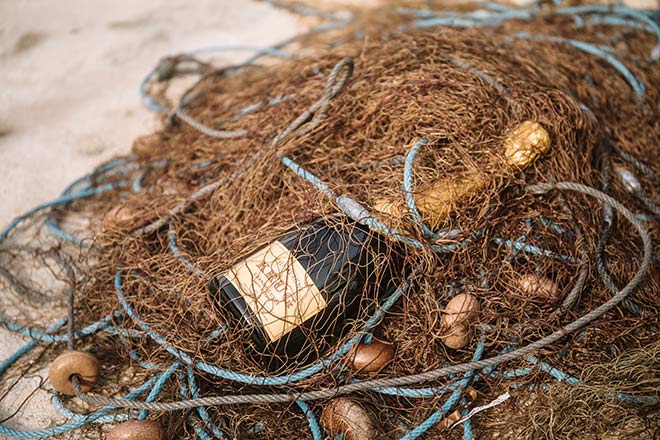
[(347, 416), (137, 430), (458, 313), (457, 337), (370, 358), (70, 363), (539, 286)]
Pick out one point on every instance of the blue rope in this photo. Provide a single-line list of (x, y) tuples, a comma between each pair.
[(479, 18), (77, 422), (271, 103), (513, 374), (110, 418), (416, 393), (158, 387), (408, 188), (467, 426), (201, 411), (144, 364), (567, 378), (557, 374), (68, 414), (308, 176), (63, 200), (99, 171), (482, 18), (498, 7), (321, 28), (54, 228), (550, 224), (7, 363), (617, 21), (201, 431), (481, 74), (137, 182), (304, 10), (149, 102), (274, 51), (171, 243), (357, 212), (40, 336), (644, 17), (531, 249), (119, 166), (311, 420), (592, 49), (438, 415)]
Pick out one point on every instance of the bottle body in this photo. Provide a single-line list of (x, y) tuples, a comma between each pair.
[(300, 291)]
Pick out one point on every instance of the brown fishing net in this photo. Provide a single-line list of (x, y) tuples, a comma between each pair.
[(461, 92)]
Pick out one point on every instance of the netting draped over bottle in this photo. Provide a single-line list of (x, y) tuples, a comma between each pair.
[(360, 128)]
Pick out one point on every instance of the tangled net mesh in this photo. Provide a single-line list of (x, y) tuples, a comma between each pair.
[(462, 91)]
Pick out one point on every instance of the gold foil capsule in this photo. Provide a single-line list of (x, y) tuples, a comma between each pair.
[(525, 144)]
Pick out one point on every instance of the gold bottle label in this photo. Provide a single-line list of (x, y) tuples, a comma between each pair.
[(277, 288)]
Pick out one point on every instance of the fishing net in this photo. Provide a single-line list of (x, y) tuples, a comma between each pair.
[(392, 123)]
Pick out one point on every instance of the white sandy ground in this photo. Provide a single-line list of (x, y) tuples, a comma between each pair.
[(69, 76)]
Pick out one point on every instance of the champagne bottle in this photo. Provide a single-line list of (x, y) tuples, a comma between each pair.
[(437, 201), (298, 292), (305, 288)]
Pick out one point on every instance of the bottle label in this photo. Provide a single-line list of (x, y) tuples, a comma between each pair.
[(277, 289)]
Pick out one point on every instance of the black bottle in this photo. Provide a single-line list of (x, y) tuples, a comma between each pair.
[(302, 290)]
